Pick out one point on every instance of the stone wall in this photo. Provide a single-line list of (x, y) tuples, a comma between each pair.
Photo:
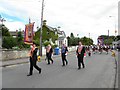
[(10, 54), (15, 54)]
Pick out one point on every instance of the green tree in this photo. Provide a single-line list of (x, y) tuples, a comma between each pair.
[(86, 41), (46, 35), (9, 42), (108, 39), (4, 30)]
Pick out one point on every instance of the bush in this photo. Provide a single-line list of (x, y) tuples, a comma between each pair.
[(46, 43), (9, 42), (54, 46)]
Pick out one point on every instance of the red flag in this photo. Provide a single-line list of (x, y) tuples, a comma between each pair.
[(28, 36)]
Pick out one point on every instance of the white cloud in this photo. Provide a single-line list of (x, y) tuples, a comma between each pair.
[(77, 16)]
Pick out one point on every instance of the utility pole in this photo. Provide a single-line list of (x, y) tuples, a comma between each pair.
[(115, 25), (89, 38), (108, 37), (40, 50)]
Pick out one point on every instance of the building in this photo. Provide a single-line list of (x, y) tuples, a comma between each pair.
[(62, 39), (15, 33)]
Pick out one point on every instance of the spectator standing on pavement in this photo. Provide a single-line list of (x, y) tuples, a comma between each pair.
[(80, 55), (49, 53), (64, 52), (33, 59)]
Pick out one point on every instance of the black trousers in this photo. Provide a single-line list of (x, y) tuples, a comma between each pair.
[(80, 61), (49, 58), (33, 64), (64, 59)]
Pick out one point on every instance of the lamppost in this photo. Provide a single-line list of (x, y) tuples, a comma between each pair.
[(1, 20), (115, 25), (40, 50)]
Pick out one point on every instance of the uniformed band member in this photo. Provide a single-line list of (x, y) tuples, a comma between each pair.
[(33, 59), (64, 52), (49, 52), (80, 55)]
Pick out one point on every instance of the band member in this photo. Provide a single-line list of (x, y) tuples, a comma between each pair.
[(64, 52), (49, 53), (33, 59), (80, 55)]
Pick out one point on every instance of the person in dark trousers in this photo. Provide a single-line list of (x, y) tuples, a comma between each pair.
[(49, 52), (33, 59), (80, 55), (64, 52)]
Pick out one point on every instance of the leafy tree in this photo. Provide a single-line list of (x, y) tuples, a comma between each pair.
[(4, 30), (86, 41), (9, 42), (73, 41), (108, 39), (46, 35), (118, 37), (72, 35)]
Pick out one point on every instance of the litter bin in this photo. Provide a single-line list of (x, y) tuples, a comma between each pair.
[(56, 50)]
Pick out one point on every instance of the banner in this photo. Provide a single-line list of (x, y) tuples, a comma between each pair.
[(28, 34), (100, 41)]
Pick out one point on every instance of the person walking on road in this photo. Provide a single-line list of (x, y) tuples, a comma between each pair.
[(33, 59), (80, 55), (64, 52), (49, 53)]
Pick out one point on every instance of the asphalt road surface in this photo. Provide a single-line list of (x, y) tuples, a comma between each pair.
[(98, 73)]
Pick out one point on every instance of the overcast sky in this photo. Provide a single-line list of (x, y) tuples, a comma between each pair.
[(78, 16)]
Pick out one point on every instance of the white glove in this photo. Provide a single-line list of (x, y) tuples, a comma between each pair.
[(52, 55), (66, 54)]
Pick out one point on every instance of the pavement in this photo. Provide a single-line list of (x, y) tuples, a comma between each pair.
[(99, 73), (20, 61)]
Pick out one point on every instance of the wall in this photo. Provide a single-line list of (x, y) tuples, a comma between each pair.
[(14, 54)]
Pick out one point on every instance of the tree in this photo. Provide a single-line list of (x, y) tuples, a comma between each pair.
[(108, 39), (72, 35), (9, 42), (86, 41), (46, 35), (4, 30)]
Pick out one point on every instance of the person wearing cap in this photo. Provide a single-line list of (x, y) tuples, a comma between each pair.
[(33, 59), (80, 55)]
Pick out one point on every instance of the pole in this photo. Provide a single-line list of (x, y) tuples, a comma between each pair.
[(115, 25), (108, 37), (89, 38), (40, 50)]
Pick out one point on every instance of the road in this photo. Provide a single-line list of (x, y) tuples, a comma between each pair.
[(99, 73)]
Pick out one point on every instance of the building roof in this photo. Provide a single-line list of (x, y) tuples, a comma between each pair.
[(56, 30)]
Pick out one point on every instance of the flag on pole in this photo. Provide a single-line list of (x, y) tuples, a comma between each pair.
[(28, 36)]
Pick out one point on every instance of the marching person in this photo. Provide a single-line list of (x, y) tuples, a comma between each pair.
[(64, 52), (49, 53), (80, 55), (33, 59)]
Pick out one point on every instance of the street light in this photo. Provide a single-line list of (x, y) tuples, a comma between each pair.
[(40, 50)]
